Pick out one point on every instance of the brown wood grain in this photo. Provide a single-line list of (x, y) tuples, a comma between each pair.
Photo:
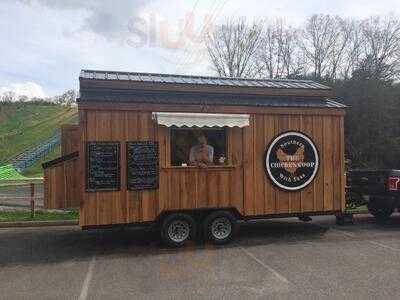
[(163, 189), (336, 163), (133, 203), (283, 197), (202, 198), (236, 177), (307, 194), (224, 188), (319, 178), (61, 188), (81, 166), (148, 198), (70, 138), (248, 168), (295, 123), (238, 109), (259, 174), (342, 165), (328, 162), (244, 186), (270, 190), (90, 199), (119, 205)]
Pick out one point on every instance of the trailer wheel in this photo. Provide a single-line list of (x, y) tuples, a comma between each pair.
[(177, 229), (380, 212), (220, 227)]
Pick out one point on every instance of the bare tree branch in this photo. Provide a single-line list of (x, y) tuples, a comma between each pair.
[(231, 48), (278, 55), (326, 47)]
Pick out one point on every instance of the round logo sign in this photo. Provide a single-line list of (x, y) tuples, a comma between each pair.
[(291, 160)]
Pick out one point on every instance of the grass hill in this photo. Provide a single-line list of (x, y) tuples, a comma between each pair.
[(24, 125)]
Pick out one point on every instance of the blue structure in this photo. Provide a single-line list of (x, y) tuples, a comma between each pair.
[(28, 158)]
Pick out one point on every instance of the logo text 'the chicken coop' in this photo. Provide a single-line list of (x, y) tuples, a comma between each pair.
[(291, 160)]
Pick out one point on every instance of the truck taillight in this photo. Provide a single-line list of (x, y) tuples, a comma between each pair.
[(394, 183)]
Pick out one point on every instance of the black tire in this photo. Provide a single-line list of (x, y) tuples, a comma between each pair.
[(380, 212), (174, 232), (220, 227)]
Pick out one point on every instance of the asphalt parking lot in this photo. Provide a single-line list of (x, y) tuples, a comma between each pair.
[(270, 259)]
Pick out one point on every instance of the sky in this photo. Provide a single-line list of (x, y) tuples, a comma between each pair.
[(45, 43)]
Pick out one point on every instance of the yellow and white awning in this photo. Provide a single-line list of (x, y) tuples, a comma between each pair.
[(201, 119)]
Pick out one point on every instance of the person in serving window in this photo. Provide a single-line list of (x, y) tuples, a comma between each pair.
[(201, 154)]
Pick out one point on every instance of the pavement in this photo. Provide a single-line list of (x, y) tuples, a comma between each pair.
[(274, 259)]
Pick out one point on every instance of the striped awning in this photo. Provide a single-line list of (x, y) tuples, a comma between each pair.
[(201, 119)]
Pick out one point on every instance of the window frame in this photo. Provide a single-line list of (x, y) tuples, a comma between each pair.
[(228, 132)]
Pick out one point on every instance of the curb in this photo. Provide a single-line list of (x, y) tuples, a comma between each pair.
[(38, 223)]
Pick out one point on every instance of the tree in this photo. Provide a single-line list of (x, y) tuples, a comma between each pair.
[(371, 124), (278, 54), (353, 52), (9, 96), (360, 59), (323, 44), (232, 46), (381, 47), (23, 98), (67, 98)]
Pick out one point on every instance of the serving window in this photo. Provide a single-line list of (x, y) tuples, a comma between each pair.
[(199, 139), (199, 147)]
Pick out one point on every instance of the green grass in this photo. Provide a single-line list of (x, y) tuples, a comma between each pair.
[(358, 210), (40, 215), (24, 125), (8, 172)]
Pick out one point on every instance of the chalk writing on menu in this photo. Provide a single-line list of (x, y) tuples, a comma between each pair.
[(142, 160), (103, 170)]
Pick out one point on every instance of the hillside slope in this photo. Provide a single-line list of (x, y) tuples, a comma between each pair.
[(36, 169), (23, 125)]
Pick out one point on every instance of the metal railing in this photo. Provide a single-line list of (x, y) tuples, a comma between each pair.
[(28, 158)]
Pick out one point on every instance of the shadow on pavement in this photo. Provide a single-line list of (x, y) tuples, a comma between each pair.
[(57, 244), (25, 246)]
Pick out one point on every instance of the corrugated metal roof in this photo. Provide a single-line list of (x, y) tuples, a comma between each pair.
[(201, 80), (121, 96)]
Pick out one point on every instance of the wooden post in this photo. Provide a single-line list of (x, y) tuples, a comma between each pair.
[(32, 200)]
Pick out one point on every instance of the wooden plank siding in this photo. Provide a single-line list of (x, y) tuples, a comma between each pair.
[(61, 185), (70, 139), (242, 184), (325, 193)]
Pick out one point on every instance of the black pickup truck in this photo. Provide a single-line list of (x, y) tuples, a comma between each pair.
[(378, 189)]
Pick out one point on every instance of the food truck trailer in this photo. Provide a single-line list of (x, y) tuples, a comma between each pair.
[(274, 148)]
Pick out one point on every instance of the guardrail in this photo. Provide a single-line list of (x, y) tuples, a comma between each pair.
[(27, 158), (31, 182)]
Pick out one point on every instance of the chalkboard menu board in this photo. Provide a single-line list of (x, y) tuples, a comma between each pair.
[(142, 169), (102, 166)]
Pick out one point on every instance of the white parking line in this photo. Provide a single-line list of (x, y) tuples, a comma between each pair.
[(270, 269), (85, 286), (370, 242), (384, 246), (340, 231)]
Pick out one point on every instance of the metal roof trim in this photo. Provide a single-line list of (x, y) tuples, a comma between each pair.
[(202, 80)]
